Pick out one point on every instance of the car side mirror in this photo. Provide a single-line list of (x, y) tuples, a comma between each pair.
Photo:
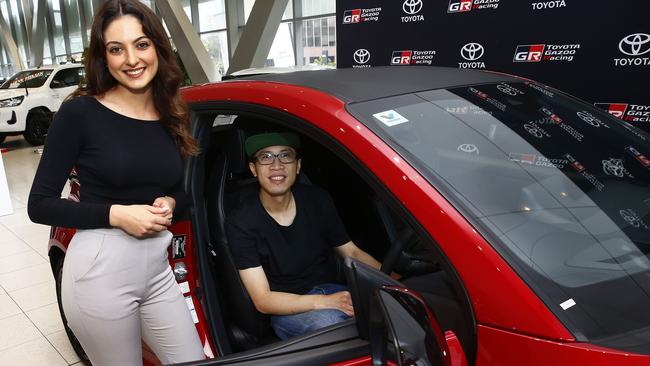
[(55, 84), (404, 330)]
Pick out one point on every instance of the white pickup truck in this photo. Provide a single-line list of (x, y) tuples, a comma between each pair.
[(29, 99)]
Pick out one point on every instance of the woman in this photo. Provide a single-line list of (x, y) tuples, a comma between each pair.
[(126, 131)]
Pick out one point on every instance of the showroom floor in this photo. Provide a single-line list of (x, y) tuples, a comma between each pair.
[(31, 331)]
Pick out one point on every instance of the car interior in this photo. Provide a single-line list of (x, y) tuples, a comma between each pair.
[(372, 221)]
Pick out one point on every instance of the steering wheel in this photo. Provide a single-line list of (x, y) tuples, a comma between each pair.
[(395, 251)]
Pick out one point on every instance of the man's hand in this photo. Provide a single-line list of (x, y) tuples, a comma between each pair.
[(340, 301), (139, 220), (283, 303)]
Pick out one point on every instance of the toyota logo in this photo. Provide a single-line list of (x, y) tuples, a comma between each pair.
[(590, 119), (472, 51), (533, 130), (361, 56), (412, 7), (468, 148), (614, 167), (636, 44), (631, 218)]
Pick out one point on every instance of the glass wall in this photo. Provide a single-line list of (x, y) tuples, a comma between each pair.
[(212, 30), (306, 35)]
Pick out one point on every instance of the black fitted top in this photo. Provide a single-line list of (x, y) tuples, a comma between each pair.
[(119, 160)]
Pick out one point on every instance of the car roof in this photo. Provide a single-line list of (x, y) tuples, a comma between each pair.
[(356, 85), (54, 67)]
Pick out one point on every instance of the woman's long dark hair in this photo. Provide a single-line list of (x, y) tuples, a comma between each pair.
[(165, 85)]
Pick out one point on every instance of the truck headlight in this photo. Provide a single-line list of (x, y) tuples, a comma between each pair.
[(11, 102)]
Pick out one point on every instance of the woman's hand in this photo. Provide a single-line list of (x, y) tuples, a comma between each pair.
[(167, 203), (140, 220)]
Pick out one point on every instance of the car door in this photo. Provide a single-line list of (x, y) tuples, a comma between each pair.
[(400, 326), (64, 82)]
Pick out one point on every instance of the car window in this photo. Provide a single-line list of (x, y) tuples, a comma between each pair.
[(560, 188), (27, 79), (67, 77)]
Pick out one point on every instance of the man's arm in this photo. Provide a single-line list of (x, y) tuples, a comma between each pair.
[(350, 249), (283, 303)]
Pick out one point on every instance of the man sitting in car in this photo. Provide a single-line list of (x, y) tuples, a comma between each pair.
[(282, 239)]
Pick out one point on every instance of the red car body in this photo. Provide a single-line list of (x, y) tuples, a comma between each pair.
[(513, 326)]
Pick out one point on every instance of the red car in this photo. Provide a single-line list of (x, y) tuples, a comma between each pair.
[(517, 215)]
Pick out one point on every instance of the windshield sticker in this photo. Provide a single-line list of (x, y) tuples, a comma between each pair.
[(556, 120), (613, 166), (390, 118), (471, 109), (16, 83), (535, 130), (502, 107), (567, 304), (633, 219), (634, 130), (638, 156), (591, 119), (468, 148), (535, 160), (549, 113), (509, 90), (541, 89), (575, 164)]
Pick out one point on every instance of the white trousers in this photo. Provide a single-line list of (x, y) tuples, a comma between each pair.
[(117, 289)]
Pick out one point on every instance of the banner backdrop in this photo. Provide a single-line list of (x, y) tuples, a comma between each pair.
[(598, 51)]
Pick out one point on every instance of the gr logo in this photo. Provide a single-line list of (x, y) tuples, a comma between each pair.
[(457, 6), (615, 109), (352, 16), (401, 58), (529, 53)]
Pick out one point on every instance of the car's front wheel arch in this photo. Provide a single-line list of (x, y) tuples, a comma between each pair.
[(36, 126), (56, 259)]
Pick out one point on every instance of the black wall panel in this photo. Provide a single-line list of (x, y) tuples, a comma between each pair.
[(596, 50)]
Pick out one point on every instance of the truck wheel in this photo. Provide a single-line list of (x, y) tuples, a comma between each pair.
[(38, 122), (73, 340)]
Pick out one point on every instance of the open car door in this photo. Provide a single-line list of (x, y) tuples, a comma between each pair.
[(401, 327)]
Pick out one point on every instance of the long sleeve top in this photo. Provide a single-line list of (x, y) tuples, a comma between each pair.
[(119, 160)]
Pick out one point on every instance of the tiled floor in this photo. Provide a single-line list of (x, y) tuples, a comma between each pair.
[(31, 331)]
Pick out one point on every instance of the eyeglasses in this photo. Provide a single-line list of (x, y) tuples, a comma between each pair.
[(285, 157)]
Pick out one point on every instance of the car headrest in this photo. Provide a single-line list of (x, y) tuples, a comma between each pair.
[(243, 126)]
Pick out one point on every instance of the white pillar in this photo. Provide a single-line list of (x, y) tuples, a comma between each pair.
[(198, 64)]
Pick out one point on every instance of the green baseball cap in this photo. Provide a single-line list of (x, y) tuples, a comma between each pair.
[(257, 142)]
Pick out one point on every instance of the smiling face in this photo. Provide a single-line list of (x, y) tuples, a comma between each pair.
[(131, 56), (277, 178)]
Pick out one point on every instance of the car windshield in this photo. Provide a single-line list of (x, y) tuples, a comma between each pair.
[(27, 79), (558, 187)]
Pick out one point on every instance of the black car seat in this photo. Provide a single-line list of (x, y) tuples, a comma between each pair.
[(229, 181)]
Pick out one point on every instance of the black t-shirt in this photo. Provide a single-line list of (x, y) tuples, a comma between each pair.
[(295, 258), (119, 160)]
